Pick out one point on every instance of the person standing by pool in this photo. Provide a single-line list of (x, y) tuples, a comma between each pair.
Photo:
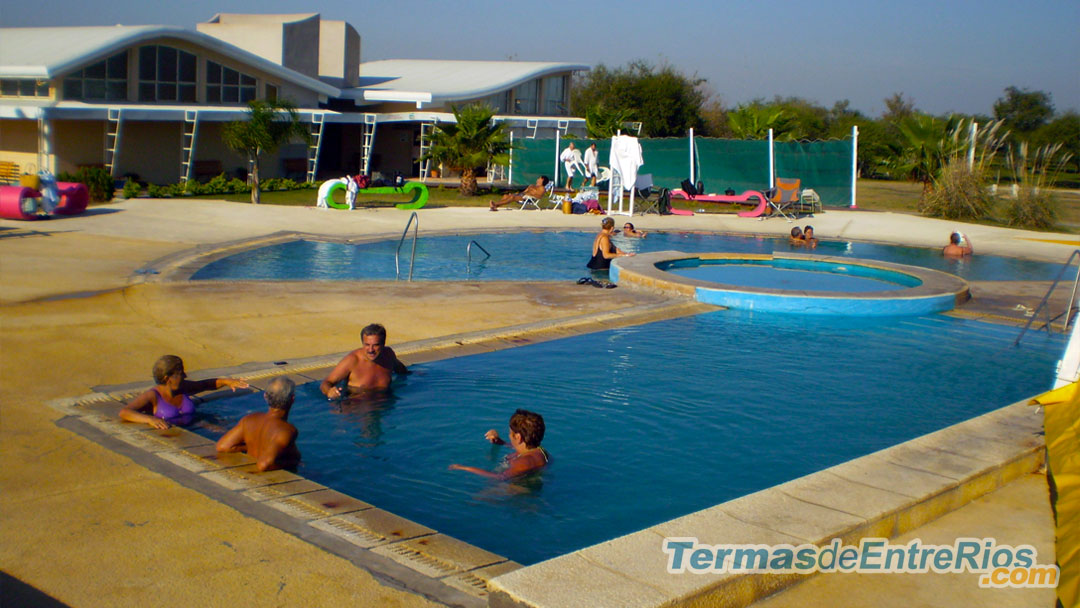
[(591, 164), (526, 433), (959, 246), (603, 250), (268, 437), (569, 160), (536, 191), (168, 403), (368, 368)]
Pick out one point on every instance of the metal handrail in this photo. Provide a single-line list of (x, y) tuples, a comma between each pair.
[(397, 254), (1046, 300), (468, 251)]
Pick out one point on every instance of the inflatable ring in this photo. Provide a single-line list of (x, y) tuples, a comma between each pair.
[(19, 203), (326, 193)]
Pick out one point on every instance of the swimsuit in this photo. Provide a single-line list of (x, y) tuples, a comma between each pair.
[(598, 261), (169, 412)]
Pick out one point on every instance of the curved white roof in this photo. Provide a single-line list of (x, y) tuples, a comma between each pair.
[(438, 80), (47, 52)]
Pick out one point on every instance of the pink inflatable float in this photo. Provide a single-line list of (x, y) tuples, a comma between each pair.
[(73, 198), (17, 202)]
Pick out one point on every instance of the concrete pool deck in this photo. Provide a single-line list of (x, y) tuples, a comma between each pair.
[(90, 527)]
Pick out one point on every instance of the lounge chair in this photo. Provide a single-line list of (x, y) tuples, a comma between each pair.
[(534, 202)]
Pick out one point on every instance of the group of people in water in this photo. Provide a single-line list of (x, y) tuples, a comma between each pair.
[(270, 439)]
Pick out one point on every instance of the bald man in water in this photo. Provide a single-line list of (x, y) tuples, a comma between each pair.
[(268, 437)]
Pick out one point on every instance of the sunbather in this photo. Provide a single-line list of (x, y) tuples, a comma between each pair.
[(536, 191)]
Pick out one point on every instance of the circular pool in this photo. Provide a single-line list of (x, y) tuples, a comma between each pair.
[(792, 283)]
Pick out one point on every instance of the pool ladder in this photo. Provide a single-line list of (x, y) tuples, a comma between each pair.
[(1044, 305), (468, 251), (412, 257)]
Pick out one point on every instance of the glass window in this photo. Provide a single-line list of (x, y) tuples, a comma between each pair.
[(166, 74), (224, 84), (555, 96), (105, 80), (525, 98), (9, 87)]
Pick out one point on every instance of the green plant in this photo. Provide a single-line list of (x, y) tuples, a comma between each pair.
[(470, 144), (959, 193), (97, 181), (753, 121), (602, 123), (269, 124), (237, 186), (154, 191), (1034, 205), (132, 189)]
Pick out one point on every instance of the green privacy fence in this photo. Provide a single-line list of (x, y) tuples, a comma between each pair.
[(721, 164)]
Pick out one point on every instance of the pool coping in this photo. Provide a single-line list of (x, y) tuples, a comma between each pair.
[(938, 291)]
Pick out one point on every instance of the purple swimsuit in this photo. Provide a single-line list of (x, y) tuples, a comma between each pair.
[(169, 412)]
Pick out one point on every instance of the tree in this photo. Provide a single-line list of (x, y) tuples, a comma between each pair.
[(268, 126), (667, 102), (1023, 111), (753, 121), (898, 107), (470, 144), (602, 123), (1064, 130)]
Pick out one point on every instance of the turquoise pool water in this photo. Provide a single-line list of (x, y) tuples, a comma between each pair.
[(555, 256), (651, 422), (792, 275)]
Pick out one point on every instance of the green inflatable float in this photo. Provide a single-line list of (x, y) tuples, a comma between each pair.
[(419, 194)]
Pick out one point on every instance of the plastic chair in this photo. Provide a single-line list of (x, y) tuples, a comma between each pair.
[(528, 200)]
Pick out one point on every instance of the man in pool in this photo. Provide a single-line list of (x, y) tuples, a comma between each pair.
[(268, 437), (959, 246), (368, 368), (536, 191), (526, 433)]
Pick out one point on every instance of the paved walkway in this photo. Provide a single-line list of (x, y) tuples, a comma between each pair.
[(89, 527)]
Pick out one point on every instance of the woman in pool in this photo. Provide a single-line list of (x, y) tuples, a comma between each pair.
[(603, 250), (168, 403)]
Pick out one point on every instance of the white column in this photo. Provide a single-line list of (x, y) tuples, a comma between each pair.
[(510, 172), (692, 176), (557, 146), (854, 162), (971, 146), (772, 162)]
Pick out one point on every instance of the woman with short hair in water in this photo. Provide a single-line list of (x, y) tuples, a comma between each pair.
[(168, 403), (603, 250)]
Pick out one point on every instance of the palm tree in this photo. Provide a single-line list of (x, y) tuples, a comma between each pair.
[(602, 123), (753, 121), (269, 125), (470, 144)]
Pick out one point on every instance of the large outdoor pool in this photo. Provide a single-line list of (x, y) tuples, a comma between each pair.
[(652, 422), (556, 256)]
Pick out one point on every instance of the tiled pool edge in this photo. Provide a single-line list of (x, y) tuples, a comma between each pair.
[(883, 494)]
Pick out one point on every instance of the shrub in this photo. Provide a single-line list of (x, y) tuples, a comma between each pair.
[(958, 194), (132, 189), (236, 186), (154, 191), (1032, 209), (97, 181)]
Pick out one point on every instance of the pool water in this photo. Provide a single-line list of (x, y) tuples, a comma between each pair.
[(652, 422), (792, 275), (556, 256)]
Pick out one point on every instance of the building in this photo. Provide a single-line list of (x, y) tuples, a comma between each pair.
[(150, 101)]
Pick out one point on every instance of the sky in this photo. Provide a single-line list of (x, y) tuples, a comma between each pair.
[(945, 55)]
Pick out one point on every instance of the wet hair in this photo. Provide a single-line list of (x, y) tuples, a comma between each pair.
[(628, 224), (544, 180), (607, 223), (529, 425), (796, 232), (279, 395), (166, 367), (954, 238), (374, 330), (808, 228)]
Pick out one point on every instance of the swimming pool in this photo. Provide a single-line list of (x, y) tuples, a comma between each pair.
[(556, 256), (789, 274), (651, 422)]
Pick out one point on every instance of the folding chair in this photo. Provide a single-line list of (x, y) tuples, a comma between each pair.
[(647, 195), (527, 200), (784, 197)]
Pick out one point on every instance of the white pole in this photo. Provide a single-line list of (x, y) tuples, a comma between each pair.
[(692, 176), (510, 174), (971, 146), (772, 162), (556, 173), (854, 162)]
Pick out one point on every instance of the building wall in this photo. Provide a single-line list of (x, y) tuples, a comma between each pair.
[(339, 52), (301, 46), (288, 40), (18, 143), (77, 143), (395, 149)]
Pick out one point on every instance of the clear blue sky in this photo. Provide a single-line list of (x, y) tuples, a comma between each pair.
[(946, 55)]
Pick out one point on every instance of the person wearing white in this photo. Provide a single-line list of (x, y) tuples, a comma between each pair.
[(591, 168), (568, 161)]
